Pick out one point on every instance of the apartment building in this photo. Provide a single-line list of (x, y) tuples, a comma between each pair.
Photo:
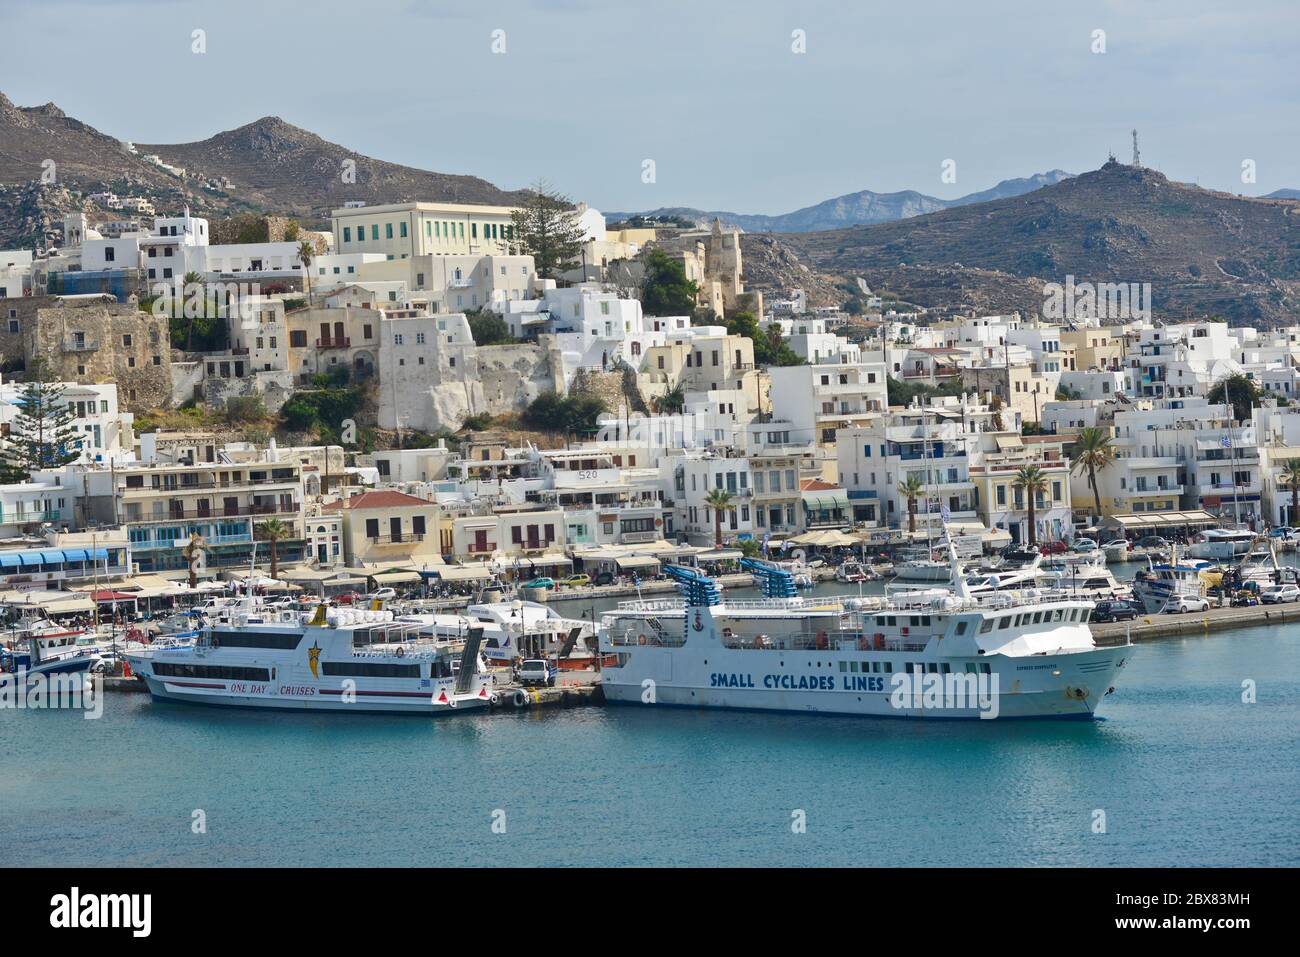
[(386, 527), (1001, 505), (321, 341), (843, 396), (403, 230)]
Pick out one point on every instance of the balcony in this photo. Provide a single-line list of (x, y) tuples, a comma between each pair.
[(338, 342), (178, 514), (401, 538), (25, 518), (80, 345), (481, 548), (1157, 490)]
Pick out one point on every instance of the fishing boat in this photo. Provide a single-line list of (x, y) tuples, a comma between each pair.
[(335, 659), (917, 653), (45, 650), (1161, 581)]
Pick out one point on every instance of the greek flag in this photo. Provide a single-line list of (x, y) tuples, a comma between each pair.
[(947, 515), (1225, 442)]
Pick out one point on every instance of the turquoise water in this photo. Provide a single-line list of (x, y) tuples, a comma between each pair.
[(1185, 773)]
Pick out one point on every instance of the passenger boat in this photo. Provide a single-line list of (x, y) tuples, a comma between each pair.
[(1221, 544), (337, 659), (928, 653)]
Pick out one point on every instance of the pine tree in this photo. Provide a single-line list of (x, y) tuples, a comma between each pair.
[(546, 228), (41, 435)]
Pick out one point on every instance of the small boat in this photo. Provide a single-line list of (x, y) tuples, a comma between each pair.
[(850, 573), (45, 651), (1221, 544)]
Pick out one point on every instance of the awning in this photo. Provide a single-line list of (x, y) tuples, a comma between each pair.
[(114, 596), (396, 578), (827, 499), (9, 560), (68, 606), (638, 561), (725, 555), (1141, 521), (1009, 442), (464, 573)]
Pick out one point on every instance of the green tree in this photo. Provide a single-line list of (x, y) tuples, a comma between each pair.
[(665, 290), (41, 435), (273, 532), (719, 500), (488, 329), (1031, 480), (552, 412), (1237, 390), (1092, 452), (911, 489), (546, 228)]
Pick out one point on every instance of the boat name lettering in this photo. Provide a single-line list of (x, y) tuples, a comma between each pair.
[(720, 679)]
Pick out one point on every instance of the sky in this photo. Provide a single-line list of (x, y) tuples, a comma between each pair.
[(582, 93)]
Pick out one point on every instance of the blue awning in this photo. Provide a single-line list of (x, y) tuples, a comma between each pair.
[(30, 558), (51, 558), (100, 554), (75, 555), (9, 560)]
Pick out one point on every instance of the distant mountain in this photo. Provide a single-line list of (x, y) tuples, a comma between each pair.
[(1284, 194), (266, 166), (1203, 252), (854, 209)]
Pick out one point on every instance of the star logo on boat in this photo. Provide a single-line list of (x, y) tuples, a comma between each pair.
[(313, 658)]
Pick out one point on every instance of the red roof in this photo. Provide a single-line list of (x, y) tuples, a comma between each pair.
[(383, 498), (817, 485)]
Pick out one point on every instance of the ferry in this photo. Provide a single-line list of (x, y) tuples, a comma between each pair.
[(930, 653), (336, 659)]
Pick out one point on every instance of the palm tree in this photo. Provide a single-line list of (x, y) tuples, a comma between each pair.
[(1031, 480), (306, 252), (1291, 476), (273, 531), (719, 500), (191, 280), (912, 489), (1093, 452), (193, 551)]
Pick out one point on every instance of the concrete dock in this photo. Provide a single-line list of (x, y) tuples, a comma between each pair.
[(1148, 627)]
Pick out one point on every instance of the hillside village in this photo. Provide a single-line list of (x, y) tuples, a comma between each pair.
[(409, 397)]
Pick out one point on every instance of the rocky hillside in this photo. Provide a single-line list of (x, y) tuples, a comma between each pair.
[(1202, 251), (268, 166)]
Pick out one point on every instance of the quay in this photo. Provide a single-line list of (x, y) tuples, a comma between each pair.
[(1148, 627)]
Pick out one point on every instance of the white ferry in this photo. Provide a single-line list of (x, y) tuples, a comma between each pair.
[(936, 653), (342, 659)]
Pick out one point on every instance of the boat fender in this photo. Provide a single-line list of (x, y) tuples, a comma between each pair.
[(521, 698), (495, 699)]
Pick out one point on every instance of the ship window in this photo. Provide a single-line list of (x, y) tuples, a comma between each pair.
[(220, 672), (970, 667), (1003, 623), (280, 640), (887, 667), (369, 669), (961, 627), (1038, 617), (984, 667), (987, 626), (1087, 613), (946, 669), (844, 666), (1058, 614), (932, 668)]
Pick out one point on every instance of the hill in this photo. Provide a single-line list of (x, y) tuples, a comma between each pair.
[(1202, 251), (266, 166), (854, 209)]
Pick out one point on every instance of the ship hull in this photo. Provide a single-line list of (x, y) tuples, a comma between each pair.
[(320, 699), (1053, 686)]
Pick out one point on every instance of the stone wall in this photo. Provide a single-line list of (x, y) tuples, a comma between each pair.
[(512, 376), (97, 342)]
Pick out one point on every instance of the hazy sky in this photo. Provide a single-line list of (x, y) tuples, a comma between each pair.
[(710, 91)]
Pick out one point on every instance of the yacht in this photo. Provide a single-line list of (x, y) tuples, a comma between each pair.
[(1221, 544), (927, 653), (337, 659)]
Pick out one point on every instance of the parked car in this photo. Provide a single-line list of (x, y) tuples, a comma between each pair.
[(1283, 531), (1181, 604), (1084, 545), (604, 578), (383, 594), (1152, 541), (537, 671), (1113, 610), (1053, 548), (348, 598), (577, 581), (542, 582), (1280, 594)]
